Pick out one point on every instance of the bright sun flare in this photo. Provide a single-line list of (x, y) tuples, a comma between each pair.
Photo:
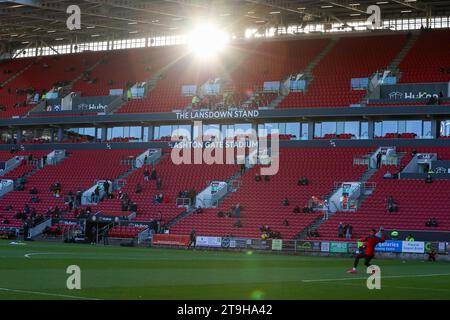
[(207, 40)]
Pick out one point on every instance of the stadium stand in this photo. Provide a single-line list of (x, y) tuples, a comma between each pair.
[(427, 61), (261, 201), (417, 201), (175, 178), (78, 171), (352, 57)]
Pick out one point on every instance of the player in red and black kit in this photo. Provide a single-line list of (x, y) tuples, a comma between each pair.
[(367, 251)]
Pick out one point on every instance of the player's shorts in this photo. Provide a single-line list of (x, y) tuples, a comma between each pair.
[(367, 258)]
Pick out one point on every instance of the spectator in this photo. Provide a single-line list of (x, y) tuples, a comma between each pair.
[(237, 211), (340, 230), (379, 157), (266, 178), (238, 224), (429, 178), (297, 209), (285, 222), (257, 177), (97, 194), (410, 238), (146, 174), (33, 190), (153, 174), (303, 182), (57, 212), (285, 202), (432, 255), (432, 223), (78, 197), (440, 97), (106, 185), (388, 175), (158, 183), (138, 188), (391, 205), (349, 232)]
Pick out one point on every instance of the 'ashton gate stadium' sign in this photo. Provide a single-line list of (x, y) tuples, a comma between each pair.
[(232, 114)]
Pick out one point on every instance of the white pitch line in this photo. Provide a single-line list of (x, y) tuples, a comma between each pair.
[(28, 255), (383, 277), (46, 294)]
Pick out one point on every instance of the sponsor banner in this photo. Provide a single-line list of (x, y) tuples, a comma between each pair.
[(389, 246), (441, 166), (203, 241), (297, 85), (116, 92), (259, 244), (442, 246), (188, 90), (272, 86), (352, 247), (214, 144), (137, 224), (277, 244), (430, 246), (325, 247), (308, 246), (170, 240), (413, 91), (413, 247), (359, 83), (91, 104), (228, 114), (339, 247)]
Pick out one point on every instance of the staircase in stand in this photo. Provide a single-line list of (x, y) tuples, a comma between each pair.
[(412, 38), (308, 75), (231, 189), (318, 221), (28, 66)]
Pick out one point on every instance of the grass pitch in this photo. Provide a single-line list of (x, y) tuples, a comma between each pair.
[(38, 271)]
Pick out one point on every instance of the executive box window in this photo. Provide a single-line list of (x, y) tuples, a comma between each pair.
[(124, 134), (166, 132), (341, 130), (417, 129), (79, 135), (233, 130), (296, 130), (445, 128)]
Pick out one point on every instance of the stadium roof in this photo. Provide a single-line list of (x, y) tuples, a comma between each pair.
[(27, 21)]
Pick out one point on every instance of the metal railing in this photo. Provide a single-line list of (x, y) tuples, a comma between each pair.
[(183, 202)]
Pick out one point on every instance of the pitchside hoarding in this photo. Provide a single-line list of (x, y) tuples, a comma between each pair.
[(215, 242), (389, 246)]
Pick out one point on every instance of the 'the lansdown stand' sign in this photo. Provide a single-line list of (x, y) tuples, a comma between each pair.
[(231, 114)]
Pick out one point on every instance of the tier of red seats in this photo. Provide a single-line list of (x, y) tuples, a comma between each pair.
[(125, 232), (121, 67), (79, 171), (352, 57), (261, 201), (424, 61), (418, 201), (42, 75), (246, 65), (175, 178)]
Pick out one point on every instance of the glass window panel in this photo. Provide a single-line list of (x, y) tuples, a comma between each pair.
[(414, 126)]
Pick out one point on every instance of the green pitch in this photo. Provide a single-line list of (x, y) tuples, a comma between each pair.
[(38, 271)]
